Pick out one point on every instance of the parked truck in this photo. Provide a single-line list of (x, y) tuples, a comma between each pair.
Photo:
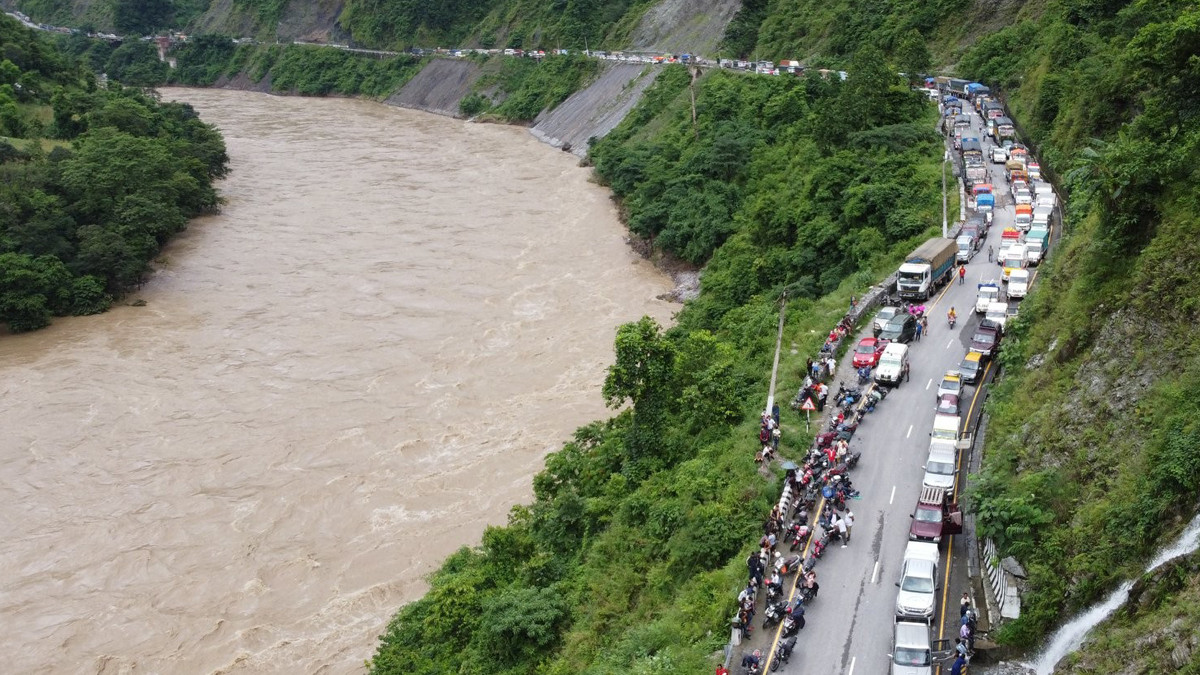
[(936, 516), (927, 268)]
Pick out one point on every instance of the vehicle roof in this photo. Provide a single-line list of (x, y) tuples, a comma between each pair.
[(895, 349), (912, 634), (951, 375), (947, 421), (922, 550), (943, 451), (973, 356), (1017, 273)]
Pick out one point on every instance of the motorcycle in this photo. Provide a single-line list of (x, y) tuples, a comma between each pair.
[(773, 614), (785, 566), (951, 320), (801, 537), (783, 652), (852, 459), (793, 622)]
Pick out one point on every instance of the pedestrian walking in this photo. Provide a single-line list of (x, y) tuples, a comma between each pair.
[(991, 254), (849, 521), (842, 531), (962, 274)]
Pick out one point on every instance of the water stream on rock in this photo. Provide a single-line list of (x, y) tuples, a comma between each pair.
[(1068, 638)]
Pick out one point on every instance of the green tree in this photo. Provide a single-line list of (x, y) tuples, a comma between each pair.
[(912, 55), (643, 374)]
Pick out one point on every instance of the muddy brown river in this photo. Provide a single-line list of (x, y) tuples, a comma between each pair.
[(334, 383)]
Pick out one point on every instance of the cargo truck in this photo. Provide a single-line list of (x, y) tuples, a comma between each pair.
[(928, 267)]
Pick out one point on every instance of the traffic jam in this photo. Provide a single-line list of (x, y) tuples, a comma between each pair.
[(988, 263), (981, 134)]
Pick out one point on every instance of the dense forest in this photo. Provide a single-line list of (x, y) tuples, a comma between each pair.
[(625, 559), (95, 181)]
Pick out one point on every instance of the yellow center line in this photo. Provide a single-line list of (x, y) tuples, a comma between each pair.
[(795, 583), (942, 294), (954, 494), (804, 554)]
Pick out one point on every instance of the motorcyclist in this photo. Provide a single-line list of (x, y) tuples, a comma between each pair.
[(952, 316)]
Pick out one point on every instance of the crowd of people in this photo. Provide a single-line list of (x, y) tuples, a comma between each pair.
[(812, 513)]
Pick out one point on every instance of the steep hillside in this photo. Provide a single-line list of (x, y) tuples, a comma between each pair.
[(657, 25), (1093, 455), (1094, 452)]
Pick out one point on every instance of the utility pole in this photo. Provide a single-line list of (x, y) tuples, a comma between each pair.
[(944, 204)]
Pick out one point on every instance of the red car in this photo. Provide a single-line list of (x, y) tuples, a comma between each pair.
[(868, 352)]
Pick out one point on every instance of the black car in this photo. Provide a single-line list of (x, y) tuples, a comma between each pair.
[(900, 328)]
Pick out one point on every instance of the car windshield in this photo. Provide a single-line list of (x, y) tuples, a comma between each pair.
[(984, 338), (943, 468), (917, 585), (865, 349), (969, 366), (949, 385), (947, 407), (907, 656), (893, 361), (928, 515)]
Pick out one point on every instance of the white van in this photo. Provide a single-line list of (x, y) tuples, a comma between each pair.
[(893, 364), (945, 427)]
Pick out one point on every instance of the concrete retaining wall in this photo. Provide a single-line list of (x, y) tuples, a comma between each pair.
[(439, 87), (595, 110)]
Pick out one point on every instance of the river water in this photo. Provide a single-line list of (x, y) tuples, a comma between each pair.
[(335, 383)]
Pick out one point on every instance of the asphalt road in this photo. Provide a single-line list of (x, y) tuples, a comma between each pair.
[(849, 624)]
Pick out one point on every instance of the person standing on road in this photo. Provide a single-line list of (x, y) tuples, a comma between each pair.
[(843, 532), (965, 605), (849, 521), (957, 668), (918, 333), (962, 274), (991, 254)]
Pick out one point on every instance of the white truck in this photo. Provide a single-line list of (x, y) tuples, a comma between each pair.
[(1018, 283), (912, 653), (989, 292), (941, 467), (997, 312), (918, 581)]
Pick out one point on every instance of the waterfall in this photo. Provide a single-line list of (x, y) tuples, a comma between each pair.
[(1068, 638)]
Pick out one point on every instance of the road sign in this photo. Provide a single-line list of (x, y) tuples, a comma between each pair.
[(808, 405)]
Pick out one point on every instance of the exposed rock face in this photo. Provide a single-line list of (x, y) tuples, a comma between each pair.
[(595, 110), (684, 26), (439, 87)]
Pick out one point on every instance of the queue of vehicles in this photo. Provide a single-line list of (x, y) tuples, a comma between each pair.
[(937, 514)]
